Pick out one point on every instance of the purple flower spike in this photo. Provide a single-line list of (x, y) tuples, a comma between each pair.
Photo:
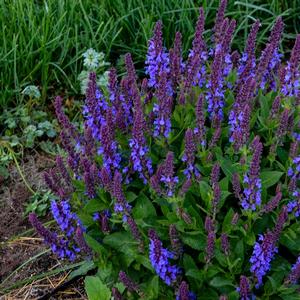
[(157, 60), (210, 247), (273, 203), (128, 282), (116, 294), (189, 155), (265, 249), (59, 246), (244, 288), (184, 293), (139, 151), (248, 56), (64, 217), (167, 176), (295, 272), (252, 190), (218, 28), (109, 147), (121, 205), (175, 241), (95, 107), (219, 70), (176, 64), (163, 109), (195, 67), (199, 130), (225, 243), (159, 258), (290, 82), (270, 59)]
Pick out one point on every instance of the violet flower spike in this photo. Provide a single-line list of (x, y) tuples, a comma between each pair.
[(128, 282), (189, 155), (199, 130), (157, 59), (225, 243), (184, 293), (265, 249), (176, 63), (175, 241), (163, 109), (294, 275), (58, 246), (159, 258), (167, 175), (252, 192), (64, 217), (244, 288), (248, 55), (219, 21), (290, 82), (142, 164)]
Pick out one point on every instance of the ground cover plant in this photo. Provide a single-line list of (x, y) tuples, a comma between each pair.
[(185, 185), (41, 42)]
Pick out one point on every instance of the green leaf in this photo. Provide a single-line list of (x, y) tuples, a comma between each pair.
[(95, 289), (94, 205), (227, 226), (152, 290), (269, 178), (143, 208), (227, 167), (220, 281), (195, 273), (96, 246), (196, 242), (119, 240), (83, 269), (205, 189)]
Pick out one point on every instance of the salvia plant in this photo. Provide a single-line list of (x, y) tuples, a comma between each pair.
[(185, 185)]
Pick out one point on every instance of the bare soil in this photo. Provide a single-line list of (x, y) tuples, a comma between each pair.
[(18, 242)]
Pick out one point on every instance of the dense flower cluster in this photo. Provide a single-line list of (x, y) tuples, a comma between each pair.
[(202, 155)]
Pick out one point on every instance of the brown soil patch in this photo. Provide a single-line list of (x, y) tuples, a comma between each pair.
[(18, 243)]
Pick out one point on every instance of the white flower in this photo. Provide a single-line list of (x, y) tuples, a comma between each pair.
[(91, 58), (32, 91)]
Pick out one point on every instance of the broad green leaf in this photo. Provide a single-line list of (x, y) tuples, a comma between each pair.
[(195, 241), (227, 226), (95, 289), (220, 281), (119, 240), (194, 273), (227, 167), (152, 290), (93, 244), (143, 208), (94, 205), (269, 178)]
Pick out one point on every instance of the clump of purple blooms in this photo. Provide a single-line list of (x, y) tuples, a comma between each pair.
[(168, 180), (160, 260)]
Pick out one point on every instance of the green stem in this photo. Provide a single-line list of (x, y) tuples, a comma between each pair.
[(18, 167)]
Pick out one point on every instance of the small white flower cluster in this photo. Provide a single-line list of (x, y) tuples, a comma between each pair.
[(32, 91), (93, 59)]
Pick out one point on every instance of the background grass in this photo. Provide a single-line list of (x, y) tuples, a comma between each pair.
[(41, 42)]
